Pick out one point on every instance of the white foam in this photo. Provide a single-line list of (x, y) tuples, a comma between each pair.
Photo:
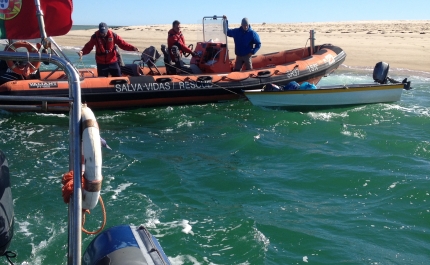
[(392, 186), (23, 228), (187, 227), (261, 238), (182, 259), (121, 187)]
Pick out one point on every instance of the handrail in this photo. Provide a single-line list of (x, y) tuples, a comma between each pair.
[(75, 206)]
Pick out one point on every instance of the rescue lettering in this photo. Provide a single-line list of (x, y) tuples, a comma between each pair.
[(195, 85)]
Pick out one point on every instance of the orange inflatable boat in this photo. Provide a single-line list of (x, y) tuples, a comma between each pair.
[(149, 82)]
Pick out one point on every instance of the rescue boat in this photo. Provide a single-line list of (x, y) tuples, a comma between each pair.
[(207, 77)]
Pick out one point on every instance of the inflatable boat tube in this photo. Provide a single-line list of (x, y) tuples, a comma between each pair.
[(6, 203), (125, 244)]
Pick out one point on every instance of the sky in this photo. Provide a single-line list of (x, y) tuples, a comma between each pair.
[(144, 12)]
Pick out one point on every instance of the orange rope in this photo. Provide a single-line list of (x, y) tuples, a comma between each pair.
[(104, 219), (67, 191)]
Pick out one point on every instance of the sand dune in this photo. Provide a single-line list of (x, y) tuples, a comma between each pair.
[(402, 44)]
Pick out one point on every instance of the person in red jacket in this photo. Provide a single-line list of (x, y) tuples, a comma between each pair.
[(176, 38), (106, 54)]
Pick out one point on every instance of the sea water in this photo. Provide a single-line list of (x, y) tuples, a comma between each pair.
[(231, 183)]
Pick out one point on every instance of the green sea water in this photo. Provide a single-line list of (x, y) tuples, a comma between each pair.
[(231, 183)]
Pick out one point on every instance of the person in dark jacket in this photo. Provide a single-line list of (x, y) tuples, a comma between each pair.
[(246, 42), (106, 54)]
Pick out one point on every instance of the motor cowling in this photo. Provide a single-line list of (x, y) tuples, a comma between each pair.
[(150, 56), (380, 72)]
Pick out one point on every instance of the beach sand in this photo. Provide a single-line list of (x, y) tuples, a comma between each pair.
[(402, 44)]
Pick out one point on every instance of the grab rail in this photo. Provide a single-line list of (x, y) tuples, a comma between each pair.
[(74, 99)]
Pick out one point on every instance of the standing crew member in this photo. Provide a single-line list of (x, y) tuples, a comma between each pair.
[(106, 54), (246, 43)]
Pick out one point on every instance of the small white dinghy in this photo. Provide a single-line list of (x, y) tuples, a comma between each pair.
[(383, 90)]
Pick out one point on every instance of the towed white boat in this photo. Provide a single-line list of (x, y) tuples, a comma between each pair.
[(383, 90)]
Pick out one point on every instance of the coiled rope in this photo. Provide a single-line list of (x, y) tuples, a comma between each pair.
[(67, 191)]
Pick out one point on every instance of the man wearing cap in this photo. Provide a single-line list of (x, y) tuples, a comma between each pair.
[(106, 54), (246, 42)]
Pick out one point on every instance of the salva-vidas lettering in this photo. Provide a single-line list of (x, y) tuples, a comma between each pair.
[(142, 87), (160, 86)]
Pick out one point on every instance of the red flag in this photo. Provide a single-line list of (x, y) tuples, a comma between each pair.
[(18, 18)]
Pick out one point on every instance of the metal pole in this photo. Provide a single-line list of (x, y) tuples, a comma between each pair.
[(75, 145), (39, 14), (312, 38)]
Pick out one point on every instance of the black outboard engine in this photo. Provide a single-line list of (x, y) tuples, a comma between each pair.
[(380, 72), (6, 206), (150, 55), (380, 75)]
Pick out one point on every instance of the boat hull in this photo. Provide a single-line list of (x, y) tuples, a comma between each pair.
[(326, 97)]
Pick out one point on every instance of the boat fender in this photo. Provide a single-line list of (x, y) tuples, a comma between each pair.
[(24, 69), (92, 155)]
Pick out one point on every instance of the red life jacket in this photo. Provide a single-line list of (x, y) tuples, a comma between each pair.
[(105, 47), (176, 38)]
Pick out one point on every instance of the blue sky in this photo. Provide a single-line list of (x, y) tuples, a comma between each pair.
[(143, 12)]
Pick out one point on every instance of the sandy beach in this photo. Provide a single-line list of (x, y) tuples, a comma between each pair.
[(402, 43)]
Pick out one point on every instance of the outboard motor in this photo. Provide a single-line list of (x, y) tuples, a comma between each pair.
[(125, 244), (6, 207), (150, 55), (380, 72)]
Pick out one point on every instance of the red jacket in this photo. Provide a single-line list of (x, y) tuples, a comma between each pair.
[(176, 38), (105, 47)]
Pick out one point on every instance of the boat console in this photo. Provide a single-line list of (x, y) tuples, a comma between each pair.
[(213, 57)]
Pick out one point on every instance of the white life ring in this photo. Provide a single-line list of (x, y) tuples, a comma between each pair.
[(92, 159)]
